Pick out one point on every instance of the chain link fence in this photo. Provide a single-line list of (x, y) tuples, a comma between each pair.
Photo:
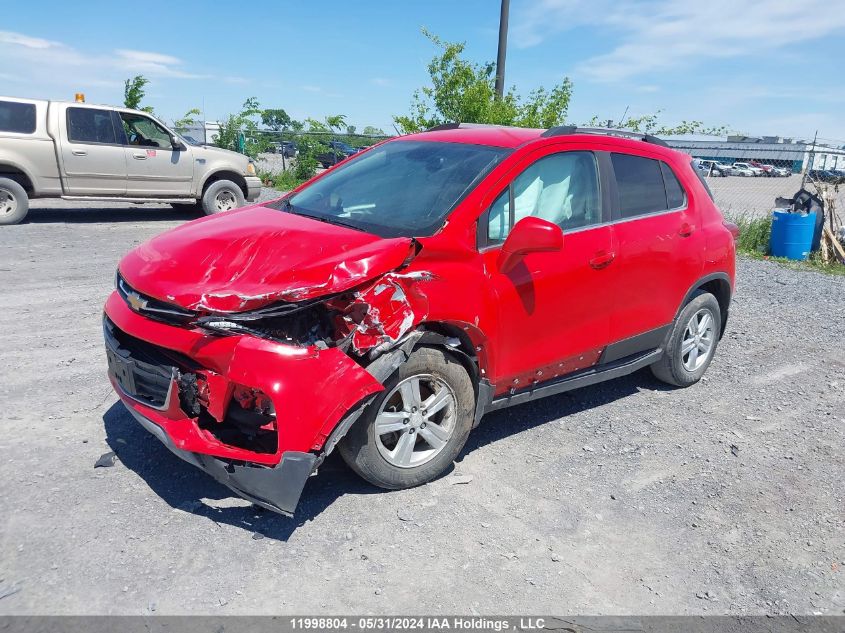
[(749, 177)]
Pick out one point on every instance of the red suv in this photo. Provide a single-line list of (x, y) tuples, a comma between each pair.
[(386, 305)]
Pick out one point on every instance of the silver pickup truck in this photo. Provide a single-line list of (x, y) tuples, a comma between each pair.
[(78, 151)]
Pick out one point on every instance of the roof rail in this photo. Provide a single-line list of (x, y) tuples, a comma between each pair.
[(464, 126), (562, 130)]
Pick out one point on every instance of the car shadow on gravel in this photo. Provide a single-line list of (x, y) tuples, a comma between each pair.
[(500, 424), (184, 486), (108, 215)]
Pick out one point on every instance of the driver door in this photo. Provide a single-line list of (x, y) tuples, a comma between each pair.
[(554, 307), (154, 168)]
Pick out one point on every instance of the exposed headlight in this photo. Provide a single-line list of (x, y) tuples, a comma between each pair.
[(250, 168)]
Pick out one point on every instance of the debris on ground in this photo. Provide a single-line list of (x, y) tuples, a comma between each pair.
[(460, 479), (106, 460)]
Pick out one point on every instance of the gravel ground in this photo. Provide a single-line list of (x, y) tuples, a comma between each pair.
[(621, 498)]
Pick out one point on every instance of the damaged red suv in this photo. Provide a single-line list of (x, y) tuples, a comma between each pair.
[(385, 306)]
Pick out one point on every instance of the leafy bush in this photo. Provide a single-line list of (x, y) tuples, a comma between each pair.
[(754, 233), (286, 180)]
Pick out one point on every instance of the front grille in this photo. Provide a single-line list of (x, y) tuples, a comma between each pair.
[(143, 371), (152, 307)]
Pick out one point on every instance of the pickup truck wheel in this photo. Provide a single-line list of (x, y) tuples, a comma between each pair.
[(14, 203), (416, 427), (690, 346), (220, 196)]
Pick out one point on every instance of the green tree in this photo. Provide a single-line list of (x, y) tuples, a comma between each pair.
[(297, 126), (335, 122), (275, 119), (133, 93), (350, 129), (650, 124), (373, 131), (238, 132), (464, 91), (188, 120)]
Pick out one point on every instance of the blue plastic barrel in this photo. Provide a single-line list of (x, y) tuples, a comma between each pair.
[(792, 234)]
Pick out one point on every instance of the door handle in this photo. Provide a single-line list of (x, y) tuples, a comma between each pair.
[(139, 156), (685, 230), (602, 259), (79, 152)]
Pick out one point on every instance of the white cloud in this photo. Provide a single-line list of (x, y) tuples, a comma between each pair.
[(52, 63), (18, 39), (380, 81), (664, 35)]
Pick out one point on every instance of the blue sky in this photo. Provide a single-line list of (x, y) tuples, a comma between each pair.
[(769, 67)]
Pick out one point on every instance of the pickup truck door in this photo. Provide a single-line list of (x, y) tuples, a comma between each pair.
[(91, 152), (154, 168)]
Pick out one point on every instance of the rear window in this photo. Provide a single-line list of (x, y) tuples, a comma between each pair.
[(17, 117), (89, 125)]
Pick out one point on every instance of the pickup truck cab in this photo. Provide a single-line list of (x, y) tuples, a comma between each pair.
[(80, 151)]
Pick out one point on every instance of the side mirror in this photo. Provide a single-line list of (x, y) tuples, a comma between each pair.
[(529, 235), (178, 146)]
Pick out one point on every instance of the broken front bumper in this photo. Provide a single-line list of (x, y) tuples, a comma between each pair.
[(311, 391)]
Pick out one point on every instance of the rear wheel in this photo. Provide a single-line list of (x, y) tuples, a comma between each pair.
[(14, 203), (221, 196), (692, 342), (416, 427)]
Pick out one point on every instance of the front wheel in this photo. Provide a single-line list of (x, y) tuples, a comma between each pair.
[(14, 203), (692, 342), (221, 196), (416, 427)]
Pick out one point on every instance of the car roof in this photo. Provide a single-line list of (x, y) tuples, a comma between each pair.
[(493, 135), (513, 137)]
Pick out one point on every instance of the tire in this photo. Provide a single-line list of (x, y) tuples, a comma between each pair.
[(221, 196), (14, 203), (680, 368), (440, 377)]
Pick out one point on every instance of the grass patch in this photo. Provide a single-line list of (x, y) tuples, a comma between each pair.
[(754, 234)]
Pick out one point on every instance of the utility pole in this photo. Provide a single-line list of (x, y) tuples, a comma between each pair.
[(503, 49)]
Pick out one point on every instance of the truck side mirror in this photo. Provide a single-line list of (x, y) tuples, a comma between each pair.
[(178, 145)]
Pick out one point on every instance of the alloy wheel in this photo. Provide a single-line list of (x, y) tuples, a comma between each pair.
[(699, 337), (416, 421)]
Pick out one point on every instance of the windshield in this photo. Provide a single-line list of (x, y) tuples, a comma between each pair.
[(399, 189)]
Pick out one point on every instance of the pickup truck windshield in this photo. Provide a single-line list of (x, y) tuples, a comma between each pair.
[(399, 189)]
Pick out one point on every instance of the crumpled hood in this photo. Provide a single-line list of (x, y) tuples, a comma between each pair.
[(249, 258)]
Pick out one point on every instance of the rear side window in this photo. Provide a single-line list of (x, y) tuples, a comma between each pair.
[(17, 117), (89, 125), (645, 185), (674, 192)]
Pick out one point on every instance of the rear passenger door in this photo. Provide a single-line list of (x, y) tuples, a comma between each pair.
[(92, 153), (660, 250)]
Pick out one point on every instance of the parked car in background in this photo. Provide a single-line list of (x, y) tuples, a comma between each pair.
[(714, 168), (78, 151), (781, 171), (744, 169), (767, 170), (285, 148), (386, 305), (336, 152), (826, 175)]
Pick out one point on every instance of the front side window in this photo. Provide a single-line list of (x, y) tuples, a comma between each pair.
[(401, 188), (144, 132), (561, 188), (89, 125), (17, 117)]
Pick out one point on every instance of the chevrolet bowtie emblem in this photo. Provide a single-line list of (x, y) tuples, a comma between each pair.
[(136, 301)]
